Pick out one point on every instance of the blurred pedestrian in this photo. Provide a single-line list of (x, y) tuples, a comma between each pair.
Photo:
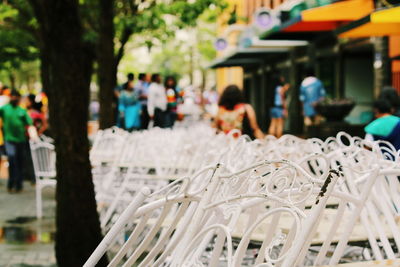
[(130, 78), (4, 95), (390, 95), (279, 110), (157, 102), (142, 89), (117, 92), (4, 99), (172, 101), (130, 108), (15, 120), (234, 113), (34, 107), (311, 91), (385, 127), (6, 91), (94, 110), (36, 113)]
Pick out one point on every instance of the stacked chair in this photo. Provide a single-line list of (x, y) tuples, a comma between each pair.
[(274, 202), (44, 165), (191, 197)]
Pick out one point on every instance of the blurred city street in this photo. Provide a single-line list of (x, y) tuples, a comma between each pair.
[(24, 240), (219, 133)]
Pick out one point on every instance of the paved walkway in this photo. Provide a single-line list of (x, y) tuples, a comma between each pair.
[(383, 263), (24, 240)]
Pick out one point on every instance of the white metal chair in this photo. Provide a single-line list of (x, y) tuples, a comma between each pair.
[(360, 167), (150, 158), (44, 164), (107, 146), (379, 217), (158, 226), (188, 221)]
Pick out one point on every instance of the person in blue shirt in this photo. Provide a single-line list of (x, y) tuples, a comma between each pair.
[(142, 89), (278, 111), (311, 91), (129, 107), (117, 93), (386, 126)]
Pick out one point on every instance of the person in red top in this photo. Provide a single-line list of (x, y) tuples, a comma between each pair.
[(35, 112), (172, 101), (234, 113)]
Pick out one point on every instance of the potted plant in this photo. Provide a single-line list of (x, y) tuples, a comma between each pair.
[(334, 109)]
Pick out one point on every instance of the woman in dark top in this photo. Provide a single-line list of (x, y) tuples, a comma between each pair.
[(234, 113), (390, 95)]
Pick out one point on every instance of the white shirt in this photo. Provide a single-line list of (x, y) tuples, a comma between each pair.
[(4, 100), (157, 98)]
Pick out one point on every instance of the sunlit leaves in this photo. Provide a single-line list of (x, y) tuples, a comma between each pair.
[(7, 12), (16, 43)]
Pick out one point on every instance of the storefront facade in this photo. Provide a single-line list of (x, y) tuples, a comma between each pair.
[(350, 64)]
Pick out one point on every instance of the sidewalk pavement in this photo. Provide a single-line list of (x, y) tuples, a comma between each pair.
[(24, 240)]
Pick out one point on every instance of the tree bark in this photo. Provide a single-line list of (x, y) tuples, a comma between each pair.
[(70, 68), (12, 80), (107, 65), (45, 71)]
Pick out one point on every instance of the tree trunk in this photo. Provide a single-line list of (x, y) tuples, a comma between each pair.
[(191, 65), (12, 80), (45, 71), (70, 68), (107, 66), (203, 79)]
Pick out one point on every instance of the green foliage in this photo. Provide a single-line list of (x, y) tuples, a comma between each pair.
[(151, 23), (181, 57), (187, 12), (160, 21), (7, 12), (207, 50), (17, 43)]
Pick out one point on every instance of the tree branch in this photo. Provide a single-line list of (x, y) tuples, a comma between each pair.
[(126, 34), (39, 10), (23, 24), (90, 18)]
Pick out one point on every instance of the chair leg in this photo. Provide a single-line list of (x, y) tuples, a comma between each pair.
[(39, 211)]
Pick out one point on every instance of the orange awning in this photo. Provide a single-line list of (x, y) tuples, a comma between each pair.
[(348, 10), (322, 19), (383, 22)]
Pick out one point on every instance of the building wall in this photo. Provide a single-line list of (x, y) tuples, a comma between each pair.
[(244, 9), (252, 5), (394, 51), (227, 76)]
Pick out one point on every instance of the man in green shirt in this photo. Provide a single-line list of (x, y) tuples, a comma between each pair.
[(15, 121)]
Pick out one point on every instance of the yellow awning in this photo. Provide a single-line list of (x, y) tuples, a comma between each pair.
[(384, 22), (348, 10), (390, 15)]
